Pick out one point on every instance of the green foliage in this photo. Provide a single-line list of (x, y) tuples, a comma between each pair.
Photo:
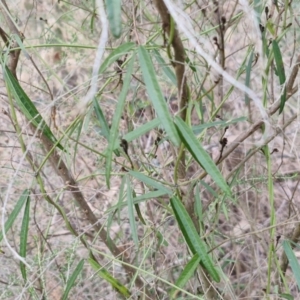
[(160, 190), (156, 96), (24, 236), (280, 72), (196, 245), (72, 279), (186, 274), (103, 273), (200, 155), (113, 8), (17, 208), (26, 106), (116, 120), (293, 261)]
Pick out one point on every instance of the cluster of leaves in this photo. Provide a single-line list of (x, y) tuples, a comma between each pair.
[(148, 64)]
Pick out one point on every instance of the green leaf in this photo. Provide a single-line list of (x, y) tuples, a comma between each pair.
[(115, 54), (190, 64), (101, 119), (186, 274), (103, 123), (72, 279), (92, 23), (103, 273), (293, 261), (136, 200), (132, 135), (12, 217), (165, 67), (156, 96), (192, 238), (280, 71), (120, 203), (200, 155), (209, 189), (248, 73), (161, 240), (23, 237), (27, 107), (149, 181), (113, 8), (270, 27), (199, 128), (198, 208), (137, 208), (150, 195), (287, 296), (131, 216), (116, 120), (258, 9)]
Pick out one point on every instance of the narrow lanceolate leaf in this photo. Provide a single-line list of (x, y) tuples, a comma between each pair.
[(198, 208), (103, 122), (133, 135), (156, 96), (113, 8), (116, 54), (103, 273), (23, 237), (12, 217), (131, 215), (165, 67), (136, 200), (248, 75), (280, 73), (287, 296), (137, 208), (258, 9), (199, 128), (72, 280), (293, 261), (186, 274), (26, 106), (114, 131), (149, 181), (196, 245), (200, 155), (101, 119)]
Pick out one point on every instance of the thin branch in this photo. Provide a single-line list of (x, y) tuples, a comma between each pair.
[(258, 125), (184, 23), (99, 54), (178, 62)]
